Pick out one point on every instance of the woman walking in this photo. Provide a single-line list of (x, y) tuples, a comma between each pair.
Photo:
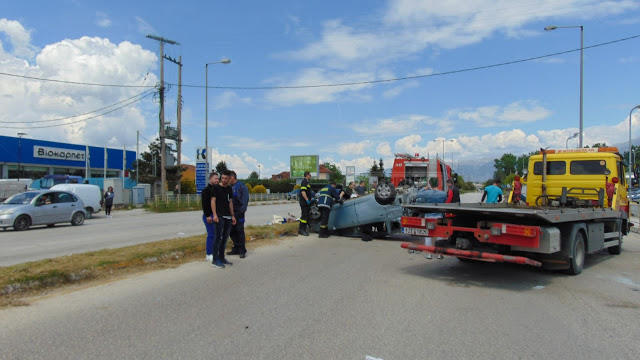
[(108, 201)]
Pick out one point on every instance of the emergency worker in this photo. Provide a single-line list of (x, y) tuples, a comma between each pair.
[(305, 204), (328, 194)]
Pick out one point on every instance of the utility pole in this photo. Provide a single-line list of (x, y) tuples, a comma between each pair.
[(163, 170), (137, 156), (179, 117)]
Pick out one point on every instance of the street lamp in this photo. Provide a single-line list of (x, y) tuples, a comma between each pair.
[(20, 135), (630, 163), (206, 106), (550, 28), (258, 171), (443, 141), (566, 145)]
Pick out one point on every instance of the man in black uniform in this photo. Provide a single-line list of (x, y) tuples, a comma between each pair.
[(305, 204), (222, 208), (207, 215)]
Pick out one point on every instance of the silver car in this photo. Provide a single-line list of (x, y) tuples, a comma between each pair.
[(41, 207)]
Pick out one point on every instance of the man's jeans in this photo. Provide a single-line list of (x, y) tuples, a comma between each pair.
[(211, 234), (238, 237), (223, 227)]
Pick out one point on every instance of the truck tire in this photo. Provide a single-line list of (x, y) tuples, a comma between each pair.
[(616, 250), (385, 193), (576, 263)]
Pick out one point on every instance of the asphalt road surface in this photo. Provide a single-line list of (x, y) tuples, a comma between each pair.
[(341, 298), (123, 229)]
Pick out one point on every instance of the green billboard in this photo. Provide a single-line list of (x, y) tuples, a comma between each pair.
[(302, 163)]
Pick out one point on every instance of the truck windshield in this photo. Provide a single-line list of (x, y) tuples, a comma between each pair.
[(588, 167)]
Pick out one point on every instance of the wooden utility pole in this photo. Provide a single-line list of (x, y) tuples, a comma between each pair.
[(163, 170), (179, 117)]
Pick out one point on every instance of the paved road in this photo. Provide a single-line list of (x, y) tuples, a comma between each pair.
[(341, 298), (123, 229)]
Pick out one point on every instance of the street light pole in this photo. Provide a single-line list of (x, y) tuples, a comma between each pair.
[(20, 135), (258, 171), (550, 28), (630, 163), (566, 145), (206, 106), (443, 140)]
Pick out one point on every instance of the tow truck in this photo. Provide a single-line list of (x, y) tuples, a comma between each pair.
[(576, 205)]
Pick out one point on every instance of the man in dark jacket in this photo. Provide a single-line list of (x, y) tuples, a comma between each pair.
[(240, 204), (453, 193), (207, 214), (222, 208), (328, 195), (305, 204)]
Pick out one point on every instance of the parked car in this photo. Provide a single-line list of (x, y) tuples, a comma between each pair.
[(90, 195), (293, 195), (41, 207)]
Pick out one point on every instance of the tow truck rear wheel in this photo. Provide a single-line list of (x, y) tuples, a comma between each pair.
[(576, 263)]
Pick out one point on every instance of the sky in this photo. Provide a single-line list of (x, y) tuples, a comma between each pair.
[(478, 78)]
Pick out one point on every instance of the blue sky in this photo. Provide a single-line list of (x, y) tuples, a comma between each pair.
[(515, 108)]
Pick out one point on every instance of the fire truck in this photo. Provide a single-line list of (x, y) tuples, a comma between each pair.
[(576, 205), (410, 170)]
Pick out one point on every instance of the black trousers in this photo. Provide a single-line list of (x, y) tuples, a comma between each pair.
[(324, 220), (304, 216), (238, 237)]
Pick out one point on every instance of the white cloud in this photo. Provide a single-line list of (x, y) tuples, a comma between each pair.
[(228, 99), (390, 126), (19, 38), (314, 95), (92, 60), (520, 112), (397, 90), (102, 20), (354, 148), (144, 27), (384, 149)]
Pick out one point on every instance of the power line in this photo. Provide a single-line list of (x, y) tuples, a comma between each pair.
[(78, 121), (339, 84), (71, 117)]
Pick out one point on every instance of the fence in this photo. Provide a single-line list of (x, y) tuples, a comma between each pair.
[(193, 199)]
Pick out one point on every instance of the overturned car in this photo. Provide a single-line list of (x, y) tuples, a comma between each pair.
[(374, 215)]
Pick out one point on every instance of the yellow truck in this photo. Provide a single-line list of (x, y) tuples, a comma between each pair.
[(576, 205)]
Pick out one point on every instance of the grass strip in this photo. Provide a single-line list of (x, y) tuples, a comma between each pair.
[(20, 281)]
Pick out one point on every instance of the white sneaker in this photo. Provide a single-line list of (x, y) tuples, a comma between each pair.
[(209, 258)]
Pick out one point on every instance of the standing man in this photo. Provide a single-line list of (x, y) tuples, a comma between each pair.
[(453, 193), (240, 204), (207, 214), (305, 204), (327, 195), (493, 193), (360, 190), (222, 208)]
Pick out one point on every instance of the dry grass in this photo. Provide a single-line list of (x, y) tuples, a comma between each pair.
[(21, 281)]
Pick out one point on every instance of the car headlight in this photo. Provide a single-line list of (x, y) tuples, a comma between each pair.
[(7, 212)]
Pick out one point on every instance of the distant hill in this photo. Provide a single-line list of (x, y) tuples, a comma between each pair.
[(475, 170)]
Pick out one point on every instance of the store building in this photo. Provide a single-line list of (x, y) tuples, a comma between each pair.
[(21, 157)]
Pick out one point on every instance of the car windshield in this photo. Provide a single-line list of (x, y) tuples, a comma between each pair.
[(23, 198)]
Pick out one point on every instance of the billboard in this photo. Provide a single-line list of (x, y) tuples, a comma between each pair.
[(301, 163), (202, 169)]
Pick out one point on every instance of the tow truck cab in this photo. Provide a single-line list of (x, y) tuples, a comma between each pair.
[(589, 177)]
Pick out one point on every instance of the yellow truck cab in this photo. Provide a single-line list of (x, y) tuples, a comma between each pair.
[(589, 177)]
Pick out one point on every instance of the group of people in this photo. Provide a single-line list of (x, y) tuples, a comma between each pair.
[(224, 204)]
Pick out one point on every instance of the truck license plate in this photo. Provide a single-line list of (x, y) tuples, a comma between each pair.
[(413, 231)]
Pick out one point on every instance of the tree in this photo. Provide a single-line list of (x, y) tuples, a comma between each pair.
[(253, 176), (188, 187), (148, 166), (597, 145), (375, 170), (504, 166), (336, 174), (221, 167)]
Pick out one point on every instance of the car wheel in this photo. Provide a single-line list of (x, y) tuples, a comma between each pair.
[(22, 223), (89, 212), (77, 219), (51, 225), (385, 193), (576, 263)]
